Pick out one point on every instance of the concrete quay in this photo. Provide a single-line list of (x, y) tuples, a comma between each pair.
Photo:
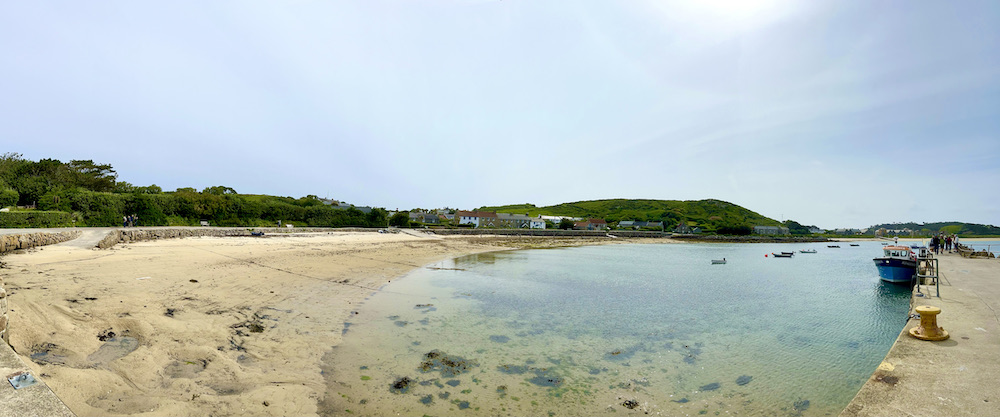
[(35, 400), (953, 377)]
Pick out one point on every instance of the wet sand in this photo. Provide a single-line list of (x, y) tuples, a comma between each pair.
[(207, 326)]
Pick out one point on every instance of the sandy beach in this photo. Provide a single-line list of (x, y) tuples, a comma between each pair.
[(207, 326)]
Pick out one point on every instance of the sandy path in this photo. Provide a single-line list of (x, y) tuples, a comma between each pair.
[(201, 326)]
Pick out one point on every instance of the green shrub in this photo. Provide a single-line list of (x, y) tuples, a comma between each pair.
[(8, 197), (34, 218)]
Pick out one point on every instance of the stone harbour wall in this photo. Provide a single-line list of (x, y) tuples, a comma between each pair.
[(10, 243), (29, 240), (138, 235)]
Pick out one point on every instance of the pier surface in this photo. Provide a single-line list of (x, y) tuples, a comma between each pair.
[(35, 400), (954, 377)]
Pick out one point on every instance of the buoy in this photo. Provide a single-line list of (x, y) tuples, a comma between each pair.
[(765, 255), (928, 328)]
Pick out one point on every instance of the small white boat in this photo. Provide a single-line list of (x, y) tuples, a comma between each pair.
[(718, 261), (807, 251)]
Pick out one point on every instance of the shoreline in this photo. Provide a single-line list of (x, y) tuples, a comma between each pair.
[(60, 318), (210, 325)]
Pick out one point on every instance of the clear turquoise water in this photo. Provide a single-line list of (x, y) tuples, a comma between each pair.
[(589, 330)]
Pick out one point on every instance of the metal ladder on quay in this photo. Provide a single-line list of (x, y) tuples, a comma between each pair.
[(927, 267)]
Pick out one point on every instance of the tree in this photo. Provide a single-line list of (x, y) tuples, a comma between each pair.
[(218, 190), (401, 219), (8, 196), (736, 230), (566, 224), (124, 187), (150, 189), (94, 177), (796, 229)]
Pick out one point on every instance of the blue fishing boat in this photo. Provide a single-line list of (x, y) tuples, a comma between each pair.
[(897, 265)]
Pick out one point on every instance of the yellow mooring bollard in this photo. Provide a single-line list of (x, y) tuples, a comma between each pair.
[(928, 328)]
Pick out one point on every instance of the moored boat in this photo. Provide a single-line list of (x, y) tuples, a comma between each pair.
[(897, 265), (782, 254), (807, 250), (833, 246), (718, 261)]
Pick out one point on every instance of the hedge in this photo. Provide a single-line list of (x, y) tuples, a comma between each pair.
[(34, 218)]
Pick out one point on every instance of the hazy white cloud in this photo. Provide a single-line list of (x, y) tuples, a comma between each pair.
[(823, 112)]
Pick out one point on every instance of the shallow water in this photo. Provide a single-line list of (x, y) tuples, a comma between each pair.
[(623, 328)]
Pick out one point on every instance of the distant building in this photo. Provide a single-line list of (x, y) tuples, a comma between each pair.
[(344, 206), (636, 224), (770, 230), (477, 218), (519, 221), (558, 219), (591, 224), (426, 218), (683, 228)]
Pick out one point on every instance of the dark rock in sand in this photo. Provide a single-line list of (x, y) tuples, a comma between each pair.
[(801, 405), (710, 387)]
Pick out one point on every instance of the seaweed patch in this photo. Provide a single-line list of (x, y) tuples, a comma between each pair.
[(401, 386), (448, 365)]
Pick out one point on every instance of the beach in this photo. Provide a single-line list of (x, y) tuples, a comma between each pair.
[(207, 326)]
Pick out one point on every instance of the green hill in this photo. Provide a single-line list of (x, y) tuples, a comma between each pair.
[(958, 228), (707, 214)]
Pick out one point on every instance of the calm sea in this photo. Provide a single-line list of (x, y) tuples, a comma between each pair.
[(622, 329)]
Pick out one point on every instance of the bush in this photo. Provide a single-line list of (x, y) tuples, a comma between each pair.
[(34, 218), (8, 197), (740, 230), (401, 219)]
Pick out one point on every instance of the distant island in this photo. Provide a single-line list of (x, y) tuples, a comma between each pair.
[(52, 193)]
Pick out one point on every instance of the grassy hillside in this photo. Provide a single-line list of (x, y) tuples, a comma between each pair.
[(959, 228), (708, 214)]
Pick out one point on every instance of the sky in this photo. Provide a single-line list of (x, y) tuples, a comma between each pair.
[(830, 113)]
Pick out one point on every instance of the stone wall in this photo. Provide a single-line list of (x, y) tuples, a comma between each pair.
[(24, 241), (29, 240), (138, 235), (546, 232)]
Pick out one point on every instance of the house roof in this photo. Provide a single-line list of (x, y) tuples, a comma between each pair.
[(475, 214)]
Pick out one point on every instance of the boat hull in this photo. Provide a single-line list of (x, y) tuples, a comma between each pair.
[(898, 271)]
